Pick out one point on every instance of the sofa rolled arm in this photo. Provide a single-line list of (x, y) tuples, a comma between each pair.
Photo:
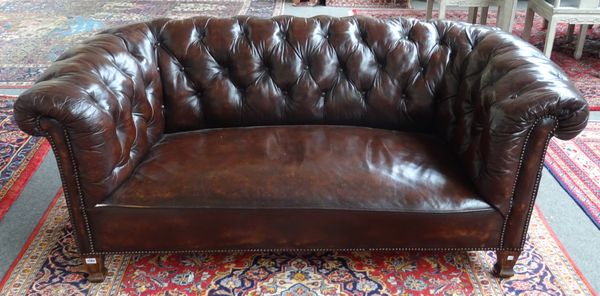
[(106, 97), (522, 85), (512, 124), (507, 89)]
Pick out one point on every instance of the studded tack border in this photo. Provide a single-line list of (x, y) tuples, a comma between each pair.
[(538, 177), (537, 180), (293, 250)]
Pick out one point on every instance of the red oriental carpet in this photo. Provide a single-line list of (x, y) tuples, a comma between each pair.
[(576, 166), (585, 73), (33, 33), (20, 155), (48, 265)]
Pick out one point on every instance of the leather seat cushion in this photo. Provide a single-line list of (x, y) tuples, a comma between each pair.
[(300, 167)]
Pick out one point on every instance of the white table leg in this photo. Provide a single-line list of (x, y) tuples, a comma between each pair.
[(580, 41), (570, 31), (528, 24), (472, 15), (550, 33), (429, 9), (507, 14), (442, 10), (484, 14)]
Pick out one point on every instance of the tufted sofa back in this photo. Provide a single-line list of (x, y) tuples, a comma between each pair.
[(480, 89), (246, 71)]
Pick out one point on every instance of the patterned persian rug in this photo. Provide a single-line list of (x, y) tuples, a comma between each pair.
[(48, 265), (576, 166), (370, 3), (20, 155), (584, 73), (34, 33)]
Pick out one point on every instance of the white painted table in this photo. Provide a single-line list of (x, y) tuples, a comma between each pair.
[(506, 14), (506, 10)]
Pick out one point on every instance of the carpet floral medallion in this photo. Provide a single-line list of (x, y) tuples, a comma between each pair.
[(48, 265), (576, 166), (34, 33), (585, 73), (20, 155)]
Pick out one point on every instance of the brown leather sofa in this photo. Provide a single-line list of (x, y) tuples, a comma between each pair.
[(210, 135)]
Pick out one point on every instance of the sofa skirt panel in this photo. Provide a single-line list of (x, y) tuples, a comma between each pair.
[(123, 230)]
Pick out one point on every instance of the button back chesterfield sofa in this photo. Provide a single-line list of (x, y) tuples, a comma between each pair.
[(222, 134)]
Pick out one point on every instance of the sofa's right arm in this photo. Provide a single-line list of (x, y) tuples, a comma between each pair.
[(503, 101), (100, 106), (505, 90)]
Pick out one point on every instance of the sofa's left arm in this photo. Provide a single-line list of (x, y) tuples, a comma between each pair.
[(100, 105)]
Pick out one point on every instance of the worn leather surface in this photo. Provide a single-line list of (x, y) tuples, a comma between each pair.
[(193, 229), (107, 94), (479, 90), (307, 167)]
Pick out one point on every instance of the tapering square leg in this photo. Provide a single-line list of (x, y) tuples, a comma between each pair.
[(94, 266), (484, 15), (505, 263), (442, 10), (528, 24), (550, 33), (472, 18), (429, 9), (570, 32), (580, 41)]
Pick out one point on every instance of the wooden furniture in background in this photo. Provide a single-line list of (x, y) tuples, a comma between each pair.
[(369, 3), (506, 10), (582, 12)]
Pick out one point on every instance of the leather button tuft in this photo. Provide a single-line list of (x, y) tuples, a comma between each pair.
[(306, 67)]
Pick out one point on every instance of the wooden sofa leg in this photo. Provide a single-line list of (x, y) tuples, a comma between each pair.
[(94, 266), (505, 263)]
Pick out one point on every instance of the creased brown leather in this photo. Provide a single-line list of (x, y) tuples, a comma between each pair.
[(337, 167), (107, 94), (477, 89), (491, 99)]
